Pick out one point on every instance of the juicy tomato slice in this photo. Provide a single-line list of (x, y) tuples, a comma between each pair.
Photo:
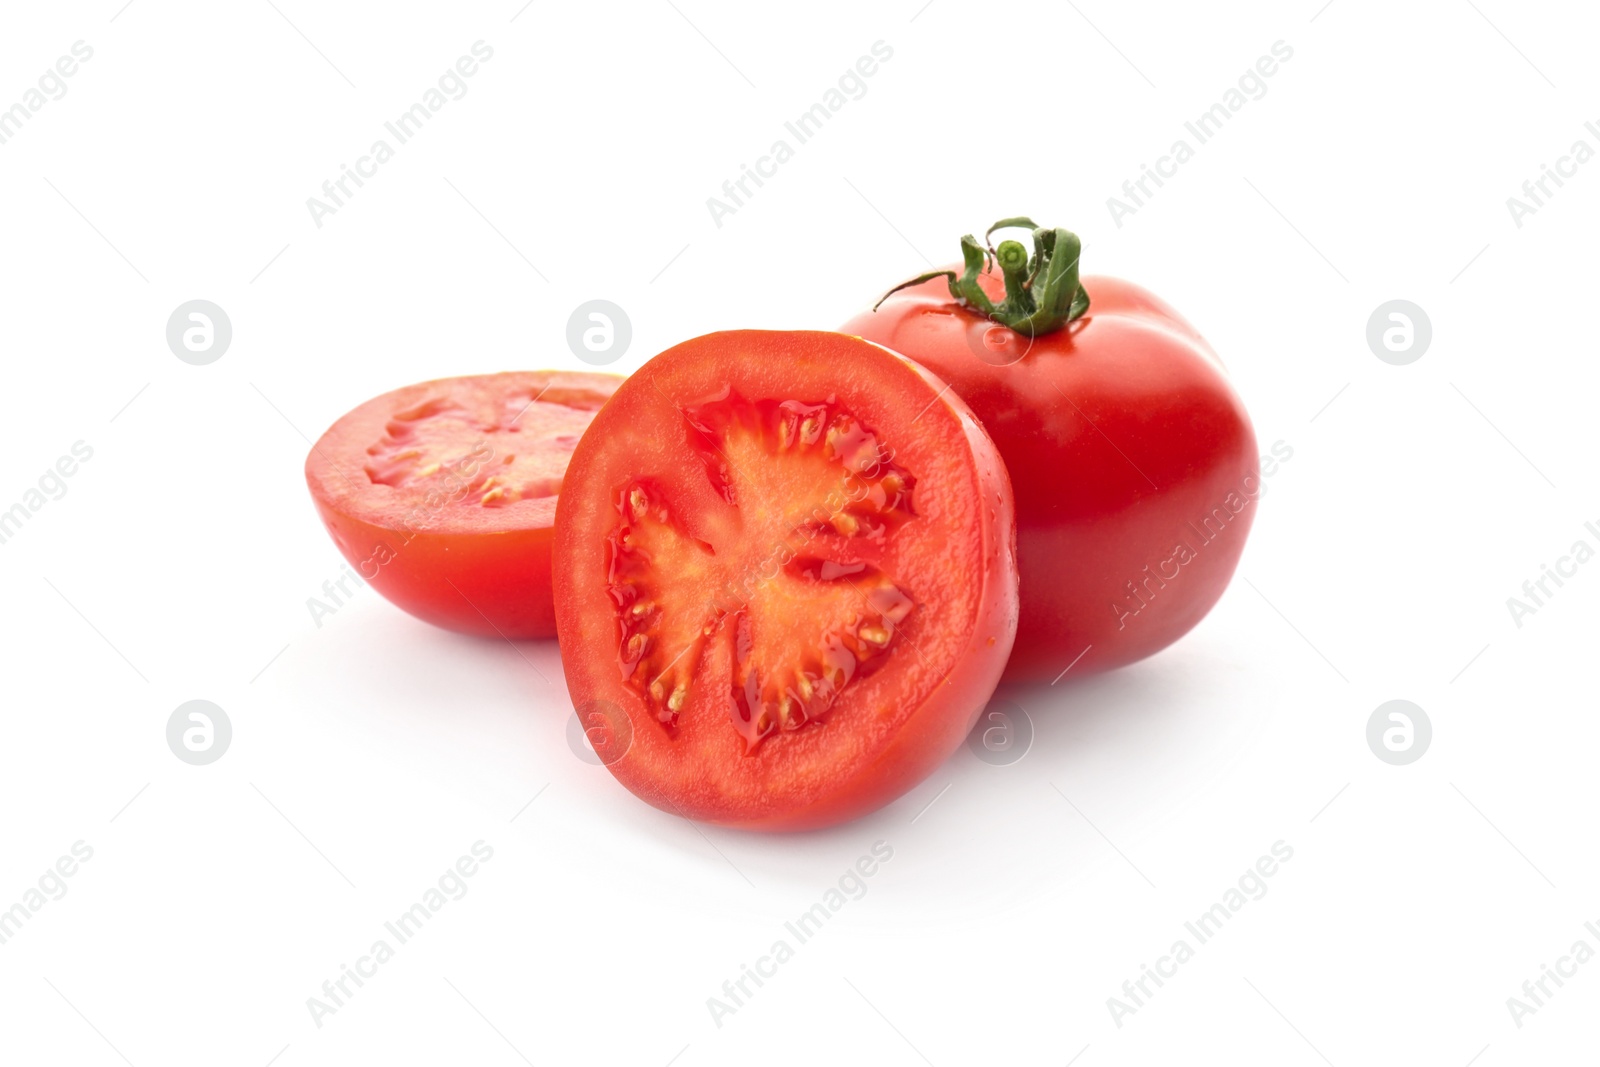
[(785, 578), (442, 495)]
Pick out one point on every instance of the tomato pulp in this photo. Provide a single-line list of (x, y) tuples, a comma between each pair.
[(1133, 460), (442, 495), (785, 581)]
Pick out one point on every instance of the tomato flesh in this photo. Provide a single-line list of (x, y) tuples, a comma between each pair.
[(804, 631), (786, 561), (442, 495)]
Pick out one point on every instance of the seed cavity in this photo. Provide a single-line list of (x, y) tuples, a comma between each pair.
[(800, 620)]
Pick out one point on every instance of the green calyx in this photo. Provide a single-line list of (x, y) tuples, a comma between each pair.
[(1042, 290)]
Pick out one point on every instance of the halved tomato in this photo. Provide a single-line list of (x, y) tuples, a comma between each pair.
[(785, 577), (442, 495)]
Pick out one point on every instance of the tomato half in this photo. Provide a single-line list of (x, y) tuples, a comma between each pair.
[(785, 582), (1133, 459), (443, 495)]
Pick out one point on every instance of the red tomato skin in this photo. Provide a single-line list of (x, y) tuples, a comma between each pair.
[(1124, 440), (495, 585), (945, 717)]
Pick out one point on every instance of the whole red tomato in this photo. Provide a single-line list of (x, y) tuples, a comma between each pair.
[(1133, 461)]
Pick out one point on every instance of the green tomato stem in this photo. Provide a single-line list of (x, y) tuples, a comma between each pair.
[(1043, 291)]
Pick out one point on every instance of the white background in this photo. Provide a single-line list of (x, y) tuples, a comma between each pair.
[(369, 753)]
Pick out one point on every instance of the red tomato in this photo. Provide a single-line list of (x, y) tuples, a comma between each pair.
[(442, 495), (785, 581), (1133, 459)]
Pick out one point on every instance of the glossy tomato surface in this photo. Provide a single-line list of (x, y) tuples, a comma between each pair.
[(442, 495), (785, 578), (1133, 461)]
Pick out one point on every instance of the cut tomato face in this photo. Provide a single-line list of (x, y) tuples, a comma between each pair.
[(442, 496), (785, 577)]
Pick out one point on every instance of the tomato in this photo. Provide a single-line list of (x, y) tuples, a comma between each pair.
[(442, 495), (1134, 461), (785, 579)]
